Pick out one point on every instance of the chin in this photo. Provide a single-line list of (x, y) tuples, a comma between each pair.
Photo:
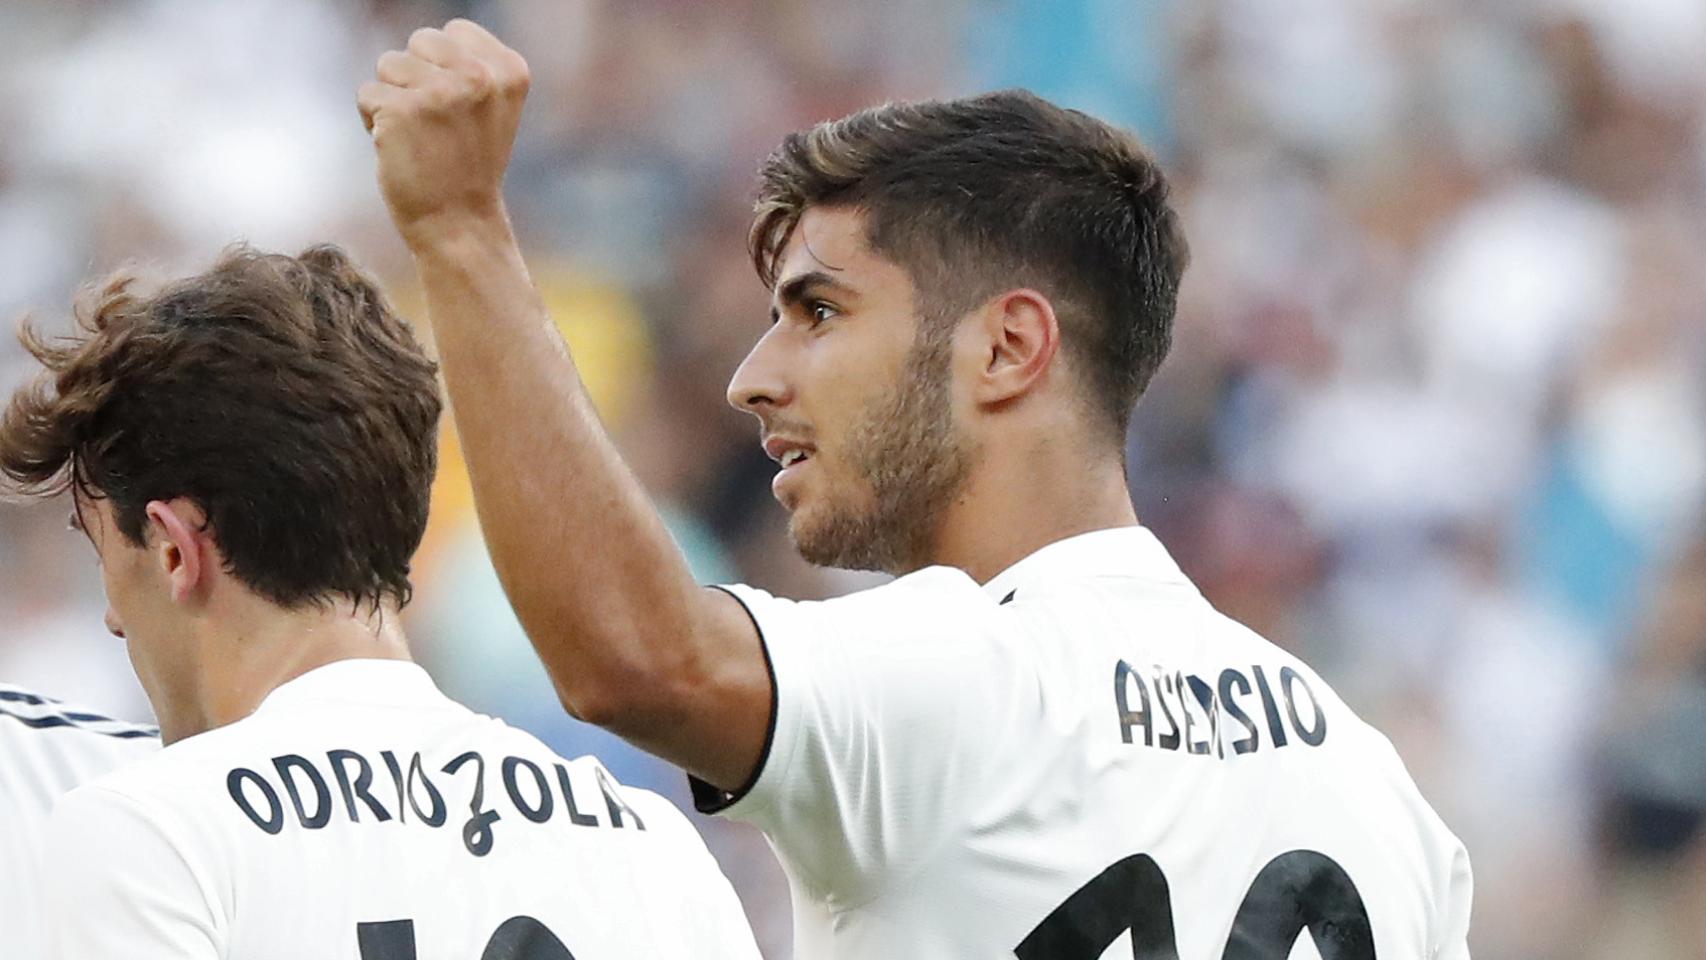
[(843, 540), (811, 541)]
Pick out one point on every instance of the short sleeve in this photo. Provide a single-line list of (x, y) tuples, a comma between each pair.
[(117, 887), (890, 709)]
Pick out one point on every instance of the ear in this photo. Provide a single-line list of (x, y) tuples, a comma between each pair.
[(181, 544), (1021, 338)]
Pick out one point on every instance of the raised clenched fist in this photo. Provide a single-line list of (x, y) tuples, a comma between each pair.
[(443, 115)]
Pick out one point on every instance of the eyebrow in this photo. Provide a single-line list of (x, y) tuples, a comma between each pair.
[(796, 290)]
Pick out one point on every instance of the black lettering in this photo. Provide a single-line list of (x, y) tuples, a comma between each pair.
[(1269, 707), (1228, 677), (477, 832), (576, 817), (518, 938), (1124, 675), (1163, 686), (1130, 896), (524, 938), (386, 940), (363, 780), (1183, 683), (537, 814), (417, 775), (322, 796), (396, 770), (1317, 731), (273, 822), (614, 803), (1205, 698), (1298, 891)]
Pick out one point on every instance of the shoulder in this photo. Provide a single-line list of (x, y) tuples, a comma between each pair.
[(941, 601), (171, 775), (652, 813), (59, 745), (107, 822), (22, 709), (661, 816)]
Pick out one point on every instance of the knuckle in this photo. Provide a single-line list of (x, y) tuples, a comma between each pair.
[(517, 77), (423, 37), (477, 81)]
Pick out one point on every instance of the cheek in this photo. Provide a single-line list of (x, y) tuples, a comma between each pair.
[(113, 587), (128, 587)]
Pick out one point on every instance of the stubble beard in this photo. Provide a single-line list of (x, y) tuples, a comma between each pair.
[(913, 463)]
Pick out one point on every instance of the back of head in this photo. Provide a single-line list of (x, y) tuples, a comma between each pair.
[(280, 394), (984, 194)]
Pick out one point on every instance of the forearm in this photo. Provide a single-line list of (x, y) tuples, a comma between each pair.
[(628, 638), (588, 565)]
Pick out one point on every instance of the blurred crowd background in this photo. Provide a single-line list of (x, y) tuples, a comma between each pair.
[(1434, 419)]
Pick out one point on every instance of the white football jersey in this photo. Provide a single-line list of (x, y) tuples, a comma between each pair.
[(46, 748), (1082, 759), (359, 814)]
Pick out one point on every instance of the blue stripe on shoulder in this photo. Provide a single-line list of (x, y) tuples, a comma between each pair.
[(118, 729)]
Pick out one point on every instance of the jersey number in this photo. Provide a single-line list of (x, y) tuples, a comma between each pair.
[(518, 938), (1295, 891)]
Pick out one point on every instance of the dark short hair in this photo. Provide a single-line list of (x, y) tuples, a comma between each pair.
[(984, 194), (280, 394)]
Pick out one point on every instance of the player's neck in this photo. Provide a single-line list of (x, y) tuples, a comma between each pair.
[(1011, 509), (263, 647)]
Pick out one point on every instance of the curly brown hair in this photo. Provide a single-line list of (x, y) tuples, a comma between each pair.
[(280, 394), (982, 194)]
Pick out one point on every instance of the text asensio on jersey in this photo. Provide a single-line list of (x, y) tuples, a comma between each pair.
[(1197, 724), (529, 790)]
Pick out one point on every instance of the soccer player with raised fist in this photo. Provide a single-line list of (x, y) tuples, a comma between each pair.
[(1039, 740)]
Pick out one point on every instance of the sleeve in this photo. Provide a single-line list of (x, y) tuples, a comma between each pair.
[(890, 708), (117, 887)]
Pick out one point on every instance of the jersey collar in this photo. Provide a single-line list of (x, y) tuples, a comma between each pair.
[(364, 681), (1118, 551)]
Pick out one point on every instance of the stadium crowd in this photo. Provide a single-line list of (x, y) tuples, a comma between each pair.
[(1435, 417)]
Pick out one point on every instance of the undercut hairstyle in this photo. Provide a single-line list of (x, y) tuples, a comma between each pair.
[(985, 194), (279, 394)]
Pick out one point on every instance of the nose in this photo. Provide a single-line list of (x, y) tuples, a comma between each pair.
[(761, 382), (113, 626)]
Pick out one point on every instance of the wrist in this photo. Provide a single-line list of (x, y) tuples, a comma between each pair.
[(453, 234)]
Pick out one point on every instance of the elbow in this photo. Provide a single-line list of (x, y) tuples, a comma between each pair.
[(624, 701), (602, 704), (619, 673)]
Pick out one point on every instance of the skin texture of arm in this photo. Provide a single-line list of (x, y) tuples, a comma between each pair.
[(630, 641)]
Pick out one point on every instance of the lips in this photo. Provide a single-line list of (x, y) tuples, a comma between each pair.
[(787, 452), (792, 455)]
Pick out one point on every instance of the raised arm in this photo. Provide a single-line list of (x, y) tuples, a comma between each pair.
[(630, 641)]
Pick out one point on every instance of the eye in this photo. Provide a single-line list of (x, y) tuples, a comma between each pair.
[(821, 311)]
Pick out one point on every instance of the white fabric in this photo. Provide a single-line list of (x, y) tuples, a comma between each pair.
[(161, 860), (947, 769), (46, 748)]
